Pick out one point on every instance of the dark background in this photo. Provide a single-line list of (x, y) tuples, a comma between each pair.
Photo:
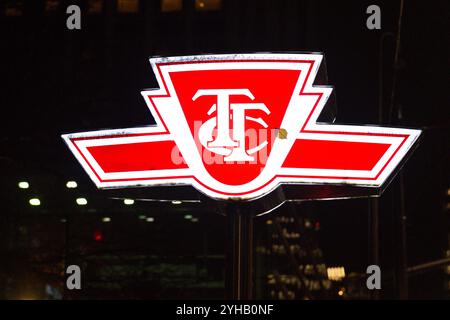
[(56, 81)]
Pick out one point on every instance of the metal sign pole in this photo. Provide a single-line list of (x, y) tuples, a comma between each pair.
[(402, 277), (374, 246), (239, 284)]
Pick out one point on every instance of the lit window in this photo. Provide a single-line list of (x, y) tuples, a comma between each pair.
[(207, 5), (14, 9), (95, 6), (171, 5), (106, 219), (51, 5), (336, 274), (128, 6)]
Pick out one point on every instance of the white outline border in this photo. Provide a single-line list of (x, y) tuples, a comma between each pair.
[(158, 132)]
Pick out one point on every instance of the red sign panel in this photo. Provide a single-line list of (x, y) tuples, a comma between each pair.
[(237, 126)]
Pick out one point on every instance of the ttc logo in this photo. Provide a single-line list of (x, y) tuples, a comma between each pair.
[(234, 148), (218, 124)]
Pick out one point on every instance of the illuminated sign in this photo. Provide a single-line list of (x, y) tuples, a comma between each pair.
[(236, 127)]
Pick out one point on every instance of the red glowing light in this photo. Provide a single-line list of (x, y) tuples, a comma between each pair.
[(98, 236)]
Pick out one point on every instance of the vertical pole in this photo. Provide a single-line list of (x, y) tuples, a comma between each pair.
[(402, 277), (374, 203), (240, 253), (374, 256)]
